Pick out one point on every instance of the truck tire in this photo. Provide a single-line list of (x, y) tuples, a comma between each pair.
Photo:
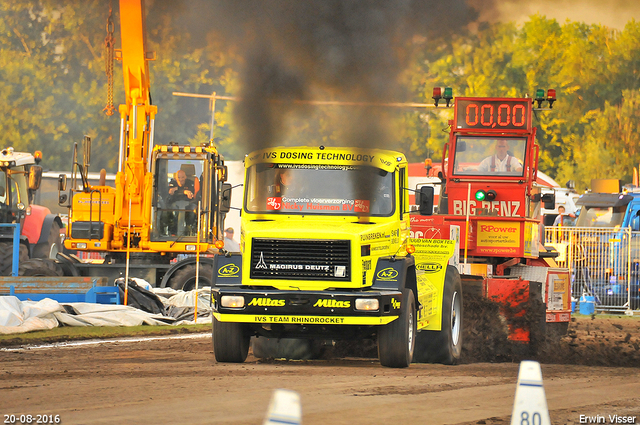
[(396, 340), (40, 267), (286, 348), (185, 278), (230, 342), (6, 257), (53, 245), (444, 346)]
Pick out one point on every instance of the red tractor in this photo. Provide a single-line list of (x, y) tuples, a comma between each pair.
[(489, 192), (39, 229)]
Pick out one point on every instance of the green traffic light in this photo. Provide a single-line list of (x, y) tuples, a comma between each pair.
[(539, 94), (480, 195), (448, 93)]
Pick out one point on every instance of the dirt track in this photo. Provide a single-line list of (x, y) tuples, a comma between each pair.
[(178, 381)]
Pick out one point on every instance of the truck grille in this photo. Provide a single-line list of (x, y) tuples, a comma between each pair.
[(301, 259)]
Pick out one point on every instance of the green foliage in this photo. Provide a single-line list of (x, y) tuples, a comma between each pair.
[(53, 87), (596, 74)]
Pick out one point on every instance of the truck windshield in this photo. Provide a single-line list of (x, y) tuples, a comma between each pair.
[(601, 216), (17, 183), (489, 156), (319, 189)]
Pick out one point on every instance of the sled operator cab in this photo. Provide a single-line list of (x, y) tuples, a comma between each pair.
[(489, 191), (488, 185)]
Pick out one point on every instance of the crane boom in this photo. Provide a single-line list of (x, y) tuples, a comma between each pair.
[(137, 117)]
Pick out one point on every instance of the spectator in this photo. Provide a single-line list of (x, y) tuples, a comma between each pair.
[(560, 220), (229, 244)]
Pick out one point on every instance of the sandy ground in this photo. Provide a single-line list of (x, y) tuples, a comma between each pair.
[(179, 381)]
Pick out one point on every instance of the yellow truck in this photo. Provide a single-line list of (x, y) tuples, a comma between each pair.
[(326, 254)]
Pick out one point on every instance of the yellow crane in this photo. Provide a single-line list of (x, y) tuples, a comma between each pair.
[(168, 199)]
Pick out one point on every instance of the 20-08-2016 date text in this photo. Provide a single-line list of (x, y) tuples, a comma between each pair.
[(31, 419)]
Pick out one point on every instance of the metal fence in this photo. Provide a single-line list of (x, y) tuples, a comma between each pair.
[(604, 264)]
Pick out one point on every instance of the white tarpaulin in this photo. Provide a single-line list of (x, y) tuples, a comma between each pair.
[(24, 316), (17, 316), (88, 314), (187, 299)]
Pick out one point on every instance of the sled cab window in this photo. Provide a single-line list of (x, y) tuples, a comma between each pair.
[(490, 156)]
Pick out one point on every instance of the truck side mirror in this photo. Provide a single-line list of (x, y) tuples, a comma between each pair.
[(424, 199), (225, 198), (35, 177), (62, 182), (549, 200), (62, 186)]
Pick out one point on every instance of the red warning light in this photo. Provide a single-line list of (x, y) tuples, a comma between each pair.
[(437, 95), (551, 97)]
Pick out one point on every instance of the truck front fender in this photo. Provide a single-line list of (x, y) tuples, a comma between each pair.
[(395, 273), (227, 270)]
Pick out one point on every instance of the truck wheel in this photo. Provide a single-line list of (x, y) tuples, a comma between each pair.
[(285, 348), (6, 257), (40, 267), (185, 278), (53, 245), (230, 342), (396, 340), (444, 346)]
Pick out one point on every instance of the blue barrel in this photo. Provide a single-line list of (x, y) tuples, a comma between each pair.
[(587, 304)]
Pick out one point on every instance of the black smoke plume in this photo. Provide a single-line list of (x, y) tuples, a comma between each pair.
[(351, 50)]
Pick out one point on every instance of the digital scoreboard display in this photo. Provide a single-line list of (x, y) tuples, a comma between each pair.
[(493, 114)]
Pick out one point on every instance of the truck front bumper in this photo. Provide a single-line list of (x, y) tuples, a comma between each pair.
[(326, 308)]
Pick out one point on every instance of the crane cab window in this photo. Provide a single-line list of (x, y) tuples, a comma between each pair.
[(176, 196)]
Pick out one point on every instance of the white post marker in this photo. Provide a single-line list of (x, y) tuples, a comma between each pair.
[(284, 408), (530, 405)]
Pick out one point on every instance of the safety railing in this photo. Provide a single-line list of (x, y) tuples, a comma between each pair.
[(604, 263)]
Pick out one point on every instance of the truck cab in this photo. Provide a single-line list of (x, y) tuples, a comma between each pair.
[(347, 199), (610, 210)]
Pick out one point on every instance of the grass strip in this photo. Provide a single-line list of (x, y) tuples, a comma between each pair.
[(68, 333)]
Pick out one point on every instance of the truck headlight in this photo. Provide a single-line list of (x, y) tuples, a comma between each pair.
[(367, 304), (82, 245), (232, 301)]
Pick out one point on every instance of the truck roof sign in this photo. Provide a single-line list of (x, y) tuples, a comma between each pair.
[(384, 159)]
